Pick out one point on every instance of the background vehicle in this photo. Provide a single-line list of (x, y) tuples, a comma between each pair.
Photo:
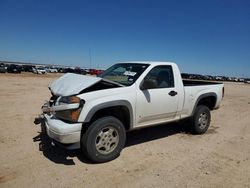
[(247, 81), (94, 113), (28, 68), (51, 70), (14, 69), (3, 69), (39, 70), (95, 71)]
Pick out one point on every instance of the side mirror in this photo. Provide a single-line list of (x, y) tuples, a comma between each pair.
[(148, 84)]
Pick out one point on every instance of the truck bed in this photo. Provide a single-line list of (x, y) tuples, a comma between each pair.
[(195, 88), (198, 83)]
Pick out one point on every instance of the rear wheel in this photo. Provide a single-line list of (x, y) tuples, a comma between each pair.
[(200, 120), (104, 139)]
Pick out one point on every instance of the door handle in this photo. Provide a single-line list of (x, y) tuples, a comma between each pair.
[(172, 93)]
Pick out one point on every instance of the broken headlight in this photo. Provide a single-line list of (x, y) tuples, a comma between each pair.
[(69, 100), (70, 114)]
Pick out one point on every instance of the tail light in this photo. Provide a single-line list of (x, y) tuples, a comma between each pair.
[(223, 92)]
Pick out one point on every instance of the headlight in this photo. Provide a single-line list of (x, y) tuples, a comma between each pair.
[(69, 100), (70, 114)]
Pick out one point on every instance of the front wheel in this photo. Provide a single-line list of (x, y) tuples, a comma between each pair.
[(200, 121), (104, 139)]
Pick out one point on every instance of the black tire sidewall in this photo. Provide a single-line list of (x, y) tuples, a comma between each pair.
[(88, 139), (195, 126)]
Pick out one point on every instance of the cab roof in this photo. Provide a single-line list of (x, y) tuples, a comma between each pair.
[(151, 62)]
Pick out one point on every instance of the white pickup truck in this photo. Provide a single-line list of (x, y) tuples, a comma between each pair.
[(94, 113)]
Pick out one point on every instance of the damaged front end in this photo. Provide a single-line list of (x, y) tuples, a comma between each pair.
[(60, 120), (65, 108), (61, 113)]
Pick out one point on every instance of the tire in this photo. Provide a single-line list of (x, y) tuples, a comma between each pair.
[(200, 121), (103, 140)]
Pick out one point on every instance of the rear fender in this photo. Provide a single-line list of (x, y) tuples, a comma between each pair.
[(203, 96)]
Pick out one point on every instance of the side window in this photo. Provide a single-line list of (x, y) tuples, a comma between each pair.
[(162, 75)]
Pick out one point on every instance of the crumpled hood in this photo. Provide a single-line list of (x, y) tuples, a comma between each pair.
[(71, 84)]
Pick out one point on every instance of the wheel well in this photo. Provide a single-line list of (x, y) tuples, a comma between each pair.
[(208, 101), (120, 112)]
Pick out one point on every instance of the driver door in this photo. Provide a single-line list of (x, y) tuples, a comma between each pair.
[(159, 103)]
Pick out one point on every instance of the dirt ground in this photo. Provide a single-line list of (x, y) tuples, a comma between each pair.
[(161, 156)]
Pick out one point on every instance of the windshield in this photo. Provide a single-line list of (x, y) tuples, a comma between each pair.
[(124, 73)]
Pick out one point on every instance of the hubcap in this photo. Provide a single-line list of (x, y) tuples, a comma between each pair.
[(203, 120), (107, 140)]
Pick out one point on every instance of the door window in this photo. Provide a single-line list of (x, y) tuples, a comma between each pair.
[(162, 75)]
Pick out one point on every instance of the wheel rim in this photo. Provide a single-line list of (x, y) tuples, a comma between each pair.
[(203, 120), (107, 140)]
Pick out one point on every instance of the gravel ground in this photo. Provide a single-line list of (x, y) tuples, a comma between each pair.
[(160, 156)]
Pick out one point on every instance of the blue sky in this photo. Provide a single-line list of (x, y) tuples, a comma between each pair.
[(201, 36)]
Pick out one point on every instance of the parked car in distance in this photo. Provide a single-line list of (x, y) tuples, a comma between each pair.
[(79, 70), (95, 71), (28, 68), (3, 69), (14, 69), (51, 70), (39, 70), (247, 81)]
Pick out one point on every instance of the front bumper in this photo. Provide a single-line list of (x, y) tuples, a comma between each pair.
[(65, 133)]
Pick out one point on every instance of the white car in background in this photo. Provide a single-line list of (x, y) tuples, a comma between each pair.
[(53, 70), (39, 70)]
